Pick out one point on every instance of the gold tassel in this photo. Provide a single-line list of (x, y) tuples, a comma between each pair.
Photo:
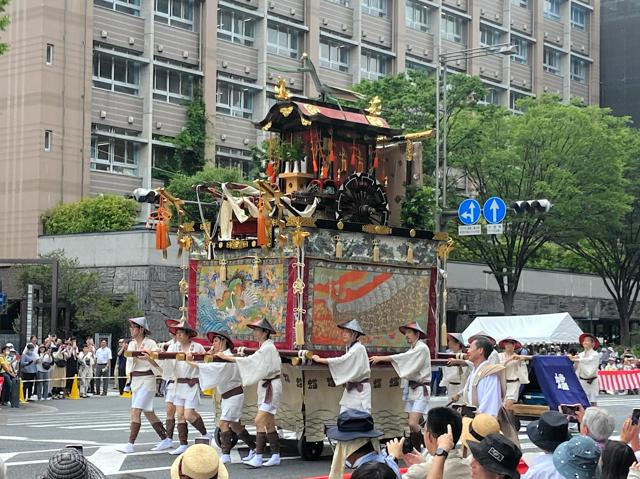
[(255, 272), (299, 330), (410, 253), (223, 270), (339, 246), (376, 251), (443, 335)]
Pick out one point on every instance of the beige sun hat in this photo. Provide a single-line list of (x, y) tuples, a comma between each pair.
[(199, 462)]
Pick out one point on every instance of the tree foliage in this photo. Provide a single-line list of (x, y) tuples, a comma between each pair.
[(79, 290), (418, 207), (567, 154), (4, 23), (614, 252), (91, 215), (182, 186)]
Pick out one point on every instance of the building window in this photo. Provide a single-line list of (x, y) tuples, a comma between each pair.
[(578, 17), (132, 7), (234, 100), (236, 27), (520, 3), (552, 9), (513, 101), (49, 58), (48, 138), (578, 70), (418, 16), (492, 97), (333, 55), (551, 62), (178, 13), (344, 3), (113, 155), (115, 73), (172, 86), (374, 66), (411, 65), (488, 36), (378, 8), (282, 40), (234, 158), (522, 55), (452, 28)]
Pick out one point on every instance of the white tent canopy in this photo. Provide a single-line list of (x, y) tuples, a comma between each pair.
[(535, 328)]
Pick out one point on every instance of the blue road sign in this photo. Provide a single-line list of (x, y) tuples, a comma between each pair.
[(3, 299), (469, 211), (494, 210)]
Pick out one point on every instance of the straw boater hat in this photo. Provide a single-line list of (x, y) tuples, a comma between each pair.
[(142, 322), (69, 463), (457, 337), (596, 342), (516, 344), (184, 325), (352, 325), (476, 429), (262, 324), (199, 462), (482, 334), (170, 323), (415, 327), (223, 335)]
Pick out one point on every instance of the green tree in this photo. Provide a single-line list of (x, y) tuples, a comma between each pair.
[(4, 23), (567, 154), (182, 186), (91, 215), (91, 309), (192, 140), (614, 252), (417, 208)]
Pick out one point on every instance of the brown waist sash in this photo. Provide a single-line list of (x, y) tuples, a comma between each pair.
[(357, 385), (266, 383), (190, 381), (141, 373), (232, 392)]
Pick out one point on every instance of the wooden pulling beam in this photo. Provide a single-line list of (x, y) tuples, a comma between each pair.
[(289, 355)]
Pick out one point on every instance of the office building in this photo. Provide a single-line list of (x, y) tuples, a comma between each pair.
[(91, 92)]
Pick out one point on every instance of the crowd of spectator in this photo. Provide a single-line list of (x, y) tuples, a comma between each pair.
[(46, 369)]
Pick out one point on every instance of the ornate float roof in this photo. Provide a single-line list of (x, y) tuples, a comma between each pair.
[(295, 114)]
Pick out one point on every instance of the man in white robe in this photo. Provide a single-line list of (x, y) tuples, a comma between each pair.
[(263, 368), (225, 377), (454, 376), (414, 368), (486, 384), (351, 369), (186, 396), (587, 363), (168, 366), (142, 372)]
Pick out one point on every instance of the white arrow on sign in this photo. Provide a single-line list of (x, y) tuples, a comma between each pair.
[(494, 210), (469, 213)]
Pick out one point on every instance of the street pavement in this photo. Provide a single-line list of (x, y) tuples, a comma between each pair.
[(31, 434)]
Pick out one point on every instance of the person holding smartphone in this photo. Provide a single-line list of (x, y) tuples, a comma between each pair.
[(43, 370)]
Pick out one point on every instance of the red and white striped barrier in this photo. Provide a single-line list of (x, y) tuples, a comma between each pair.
[(619, 380)]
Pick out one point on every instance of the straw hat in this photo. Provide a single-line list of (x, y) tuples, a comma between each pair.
[(414, 327), (482, 334), (476, 429), (199, 462), (352, 325), (184, 325), (516, 344), (262, 324), (142, 322), (213, 334), (457, 337), (596, 342)]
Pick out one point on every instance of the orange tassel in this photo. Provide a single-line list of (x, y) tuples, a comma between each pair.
[(162, 228), (262, 227), (375, 160), (270, 170), (325, 173)]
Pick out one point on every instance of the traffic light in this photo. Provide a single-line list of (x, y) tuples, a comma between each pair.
[(143, 195), (534, 207)]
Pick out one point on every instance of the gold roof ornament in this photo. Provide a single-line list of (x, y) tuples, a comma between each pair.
[(375, 106), (282, 94)]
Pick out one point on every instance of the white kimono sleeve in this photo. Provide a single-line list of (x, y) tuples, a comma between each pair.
[(263, 364), (353, 366), (414, 364)]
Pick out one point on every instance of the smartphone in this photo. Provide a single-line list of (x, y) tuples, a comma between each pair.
[(457, 407), (202, 440), (635, 416), (78, 447), (407, 447), (469, 411), (568, 409)]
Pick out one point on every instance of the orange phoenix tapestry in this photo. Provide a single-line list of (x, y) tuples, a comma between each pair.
[(380, 301)]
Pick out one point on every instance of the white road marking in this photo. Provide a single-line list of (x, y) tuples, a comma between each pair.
[(107, 460)]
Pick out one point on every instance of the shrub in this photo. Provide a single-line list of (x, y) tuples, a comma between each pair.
[(91, 215)]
